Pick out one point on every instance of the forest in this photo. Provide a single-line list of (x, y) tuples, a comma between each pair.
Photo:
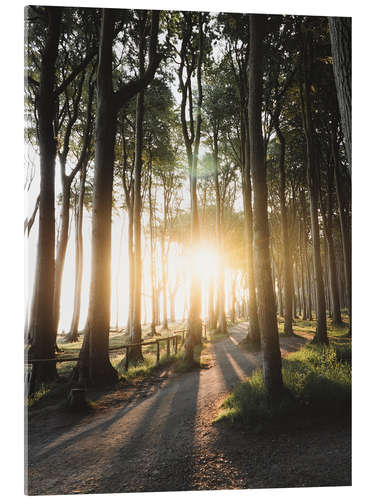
[(190, 196)]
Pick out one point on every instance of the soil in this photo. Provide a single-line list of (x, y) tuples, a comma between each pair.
[(158, 436)]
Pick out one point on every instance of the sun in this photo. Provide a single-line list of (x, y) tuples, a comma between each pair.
[(205, 261)]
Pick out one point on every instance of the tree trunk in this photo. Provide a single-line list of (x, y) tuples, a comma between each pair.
[(95, 366), (73, 335), (301, 243), (345, 229), (312, 178), (253, 332), (332, 268), (131, 264), (152, 259), (172, 306), (212, 323), (287, 258), (135, 353), (220, 292), (341, 43), (194, 335), (164, 266), (61, 249), (42, 318), (233, 308), (266, 301)]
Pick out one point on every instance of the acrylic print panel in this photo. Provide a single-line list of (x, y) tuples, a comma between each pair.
[(188, 323)]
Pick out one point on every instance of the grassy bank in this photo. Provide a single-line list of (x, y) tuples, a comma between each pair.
[(317, 384)]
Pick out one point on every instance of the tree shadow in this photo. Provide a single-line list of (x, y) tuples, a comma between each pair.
[(158, 455)]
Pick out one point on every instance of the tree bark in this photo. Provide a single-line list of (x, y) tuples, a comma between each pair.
[(73, 334), (328, 231), (220, 292), (94, 365), (135, 353), (42, 318), (312, 178), (266, 301), (287, 258), (341, 43), (212, 323), (152, 259), (194, 327), (345, 229), (253, 331), (164, 263)]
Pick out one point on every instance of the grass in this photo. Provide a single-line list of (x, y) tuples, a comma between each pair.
[(53, 393), (307, 326), (116, 339), (317, 383)]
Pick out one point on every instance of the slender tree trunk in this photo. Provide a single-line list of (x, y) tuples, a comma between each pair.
[(233, 308), (172, 306), (253, 332), (304, 316), (281, 299), (211, 305), (118, 273), (345, 230), (42, 318), (312, 177), (73, 335), (135, 353), (331, 256), (164, 266), (220, 297), (152, 259), (131, 264), (287, 258), (61, 249), (266, 301)]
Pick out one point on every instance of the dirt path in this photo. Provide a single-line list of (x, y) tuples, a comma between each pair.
[(163, 439)]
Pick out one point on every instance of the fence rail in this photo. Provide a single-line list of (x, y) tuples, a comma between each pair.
[(177, 334)]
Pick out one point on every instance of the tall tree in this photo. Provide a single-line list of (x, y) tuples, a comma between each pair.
[(82, 163), (94, 365), (41, 326), (189, 62), (313, 183), (266, 300), (67, 179), (340, 29), (135, 326)]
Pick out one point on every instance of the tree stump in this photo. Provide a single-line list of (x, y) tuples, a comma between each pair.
[(77, 398)]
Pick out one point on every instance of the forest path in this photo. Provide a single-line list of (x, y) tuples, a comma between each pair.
[(163, 439)]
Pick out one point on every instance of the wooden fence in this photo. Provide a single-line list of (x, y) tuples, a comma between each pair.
[(176, 341)]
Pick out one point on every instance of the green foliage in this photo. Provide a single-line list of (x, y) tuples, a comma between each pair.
[(317, 383)]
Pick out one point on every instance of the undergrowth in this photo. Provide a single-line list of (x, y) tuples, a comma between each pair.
[(317, 382), (54, 392)]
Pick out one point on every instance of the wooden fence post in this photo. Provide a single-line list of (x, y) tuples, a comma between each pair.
[(157, 352), (168, 348), (126, 358), (175, 345)]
